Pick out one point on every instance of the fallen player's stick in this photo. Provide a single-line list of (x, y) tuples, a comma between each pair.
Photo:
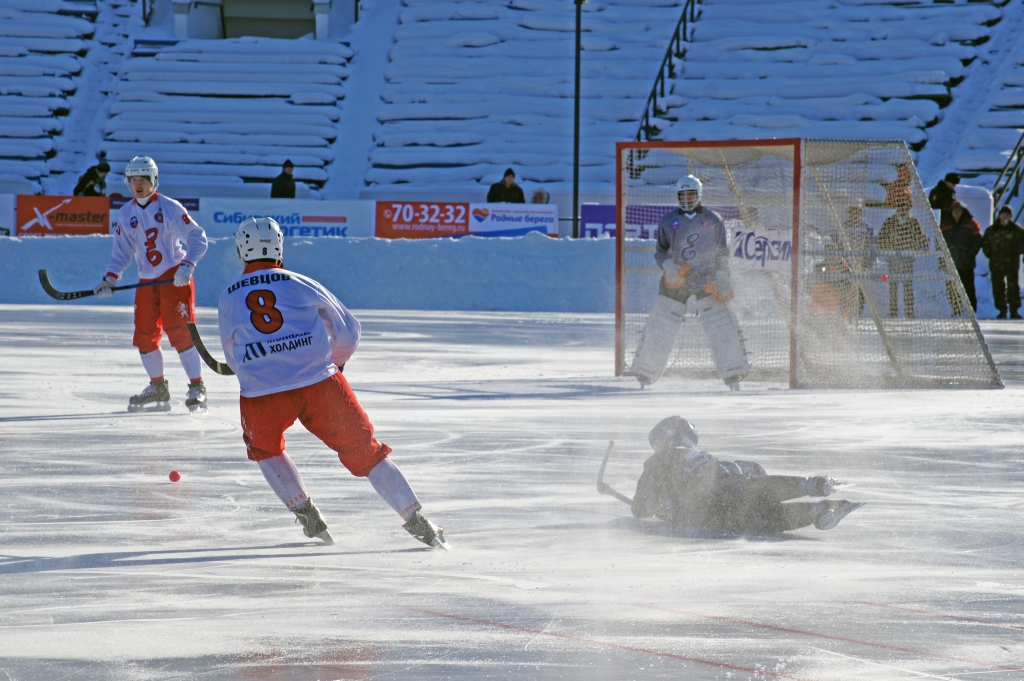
[(44, 279), (604, 488), (219, 367)]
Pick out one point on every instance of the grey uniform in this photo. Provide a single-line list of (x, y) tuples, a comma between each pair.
[(698, 241)]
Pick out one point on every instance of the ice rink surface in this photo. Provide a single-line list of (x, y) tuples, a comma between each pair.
[(500, 420)]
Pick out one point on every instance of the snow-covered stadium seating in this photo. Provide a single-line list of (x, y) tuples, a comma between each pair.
[(40, 46), (996, 122), (223, 113), (475, 87), (822, 68)]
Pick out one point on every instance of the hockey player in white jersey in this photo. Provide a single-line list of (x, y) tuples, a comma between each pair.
[(152, 228), (287, 338), (694, 260)]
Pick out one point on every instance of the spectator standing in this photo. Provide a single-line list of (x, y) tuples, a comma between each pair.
[(284, 184), (963, 239), (862, 238), (901, 232), (94, 181), (1003, 243), (506, 191), (863, 241), (540, 196), (943, 194)]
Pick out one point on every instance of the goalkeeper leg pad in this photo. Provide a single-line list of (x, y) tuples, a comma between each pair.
[(659, 338), (723, 332)]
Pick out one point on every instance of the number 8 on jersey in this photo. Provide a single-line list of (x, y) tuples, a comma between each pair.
[(265, 317)]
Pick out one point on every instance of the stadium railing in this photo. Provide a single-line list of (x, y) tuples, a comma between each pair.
[(1007, 185), (667, 69)]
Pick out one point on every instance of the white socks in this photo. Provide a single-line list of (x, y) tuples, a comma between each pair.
[(154, 362), (392, 486), (283, 476), (192, 363), (385, 477)]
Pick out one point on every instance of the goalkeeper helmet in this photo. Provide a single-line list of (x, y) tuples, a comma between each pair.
[(688, 192), (141, 166), (259, 239), (671, 433)]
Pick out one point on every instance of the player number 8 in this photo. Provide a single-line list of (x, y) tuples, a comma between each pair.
[(265, 317)]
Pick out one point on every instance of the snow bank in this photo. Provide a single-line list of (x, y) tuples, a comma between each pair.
[(532, 273)]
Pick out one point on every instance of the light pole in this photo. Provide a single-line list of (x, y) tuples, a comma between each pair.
[(576, 127)]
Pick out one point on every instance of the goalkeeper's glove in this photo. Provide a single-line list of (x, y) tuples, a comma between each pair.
[(675, 275), (712, 288)]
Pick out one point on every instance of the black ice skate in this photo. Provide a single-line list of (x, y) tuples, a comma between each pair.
[(426, 531), (832, 512), (196, 398), (819, 486), (313, 526), (156, 397)]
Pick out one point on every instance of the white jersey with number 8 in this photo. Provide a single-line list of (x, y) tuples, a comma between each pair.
[(281, 330)]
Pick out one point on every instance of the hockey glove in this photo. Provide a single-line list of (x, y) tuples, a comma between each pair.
[(675, 275), (712, 288), (184, 273), (105, 288)]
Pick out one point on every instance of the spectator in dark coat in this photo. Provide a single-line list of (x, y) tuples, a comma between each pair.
[(1003, 244), (284, 184), (963, 239), (94, 181), (506, 191), (943, 194), (901, 232)]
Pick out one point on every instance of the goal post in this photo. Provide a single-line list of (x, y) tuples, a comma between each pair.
[(842, 277)]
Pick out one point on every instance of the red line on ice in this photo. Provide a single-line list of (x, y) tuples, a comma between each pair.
[(935, 613), (607, 644), (883, 646)]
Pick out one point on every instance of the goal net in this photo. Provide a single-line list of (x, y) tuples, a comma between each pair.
[(841, 274)]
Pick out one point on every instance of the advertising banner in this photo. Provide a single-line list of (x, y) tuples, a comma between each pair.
[(421, 219), (642, 219), (513, 219), (597, 220), (428, 219), (7, 227), (756, 250), (220, 217), (62, 215)]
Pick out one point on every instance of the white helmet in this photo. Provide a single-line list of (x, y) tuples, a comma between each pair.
[(141, 166), (689, 184), (259, 239)]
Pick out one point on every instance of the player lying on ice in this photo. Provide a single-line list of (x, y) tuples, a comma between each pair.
[(287, 338), (694, 260), (690, 488), (152, 228)]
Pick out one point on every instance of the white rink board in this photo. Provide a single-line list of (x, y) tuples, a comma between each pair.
[(500, 420)]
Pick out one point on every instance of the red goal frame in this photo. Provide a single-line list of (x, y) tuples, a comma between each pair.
[(620, 235)]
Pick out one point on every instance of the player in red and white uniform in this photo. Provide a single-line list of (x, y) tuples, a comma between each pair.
[(152, 229), (287, 338)]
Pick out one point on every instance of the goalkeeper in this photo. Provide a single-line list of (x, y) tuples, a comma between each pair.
[(694, 260), (690, 488)]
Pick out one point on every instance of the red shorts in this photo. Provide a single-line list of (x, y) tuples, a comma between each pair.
[(327, 409), (165, 307)]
